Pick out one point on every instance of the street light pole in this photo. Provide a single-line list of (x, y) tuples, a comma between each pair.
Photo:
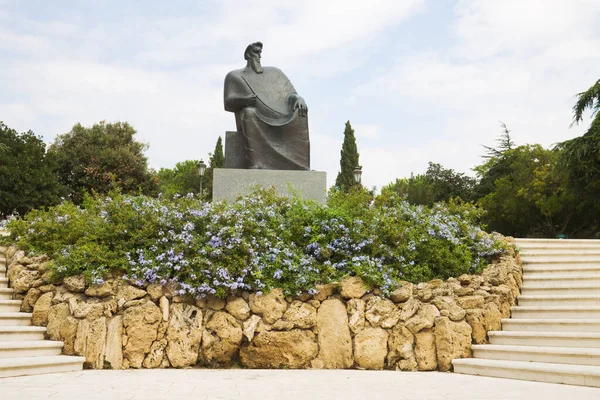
[(357, 173), (201, 168)]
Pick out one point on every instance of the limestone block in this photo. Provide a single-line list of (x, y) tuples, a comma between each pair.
[(471, 302), (424, 319), (403, 293), (75, 284), (62, 327), (335, 343), (141, 329), (30, 299), (41, 308), (447, 303), (382, 312), (221, 339), (128, 292), (452, 340), (23, 280), (270, 306), (155, 291), (353, 287), (291, 349), (238, 307), (89, 311), (249, 326), (401, 346), (370, 348), (301, 315), (164, 308), (103, 290), (356, 314), (113, 353), (409, 309), (184, 335), (425, 352), (91, 341), (324, 291), (475, 319), (155, 357)]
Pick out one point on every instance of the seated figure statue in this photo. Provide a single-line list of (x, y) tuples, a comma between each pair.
[(270, 116)]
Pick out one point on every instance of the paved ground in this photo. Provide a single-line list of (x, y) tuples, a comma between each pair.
[(201, 384)]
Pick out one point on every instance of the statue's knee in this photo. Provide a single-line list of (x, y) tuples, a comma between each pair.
[(248, 112)]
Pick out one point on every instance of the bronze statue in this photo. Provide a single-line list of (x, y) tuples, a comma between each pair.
[(271, 118)]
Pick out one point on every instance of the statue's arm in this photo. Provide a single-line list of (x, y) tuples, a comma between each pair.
[(234, 97)]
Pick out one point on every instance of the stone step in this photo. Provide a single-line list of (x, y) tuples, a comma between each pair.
[(560, 289), (568, 260), (556, 312), (547, 339), (15, 319), (561, 279), (559, 300), (10, 305), (582, 375), (3, 261), (3, 282), (35, 348), (551, 325), (6, 294), (578, 253), (557, 355), (560, 268), (557, 242), (39, 365), (18, 333)]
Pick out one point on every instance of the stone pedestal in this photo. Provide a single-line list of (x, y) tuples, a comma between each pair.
[(228, 183)]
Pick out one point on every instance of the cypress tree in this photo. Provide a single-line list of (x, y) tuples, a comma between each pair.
[(348, 160), (216, 160)]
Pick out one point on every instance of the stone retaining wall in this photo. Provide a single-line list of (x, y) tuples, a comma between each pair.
[(117, 325)]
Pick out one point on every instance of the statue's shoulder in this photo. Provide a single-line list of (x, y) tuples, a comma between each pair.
[(236, 73), (272, 70)]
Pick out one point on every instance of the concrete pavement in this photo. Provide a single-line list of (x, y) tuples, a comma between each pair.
[(209, 384)]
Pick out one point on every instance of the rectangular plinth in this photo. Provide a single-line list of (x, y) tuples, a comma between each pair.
[(229, 183)]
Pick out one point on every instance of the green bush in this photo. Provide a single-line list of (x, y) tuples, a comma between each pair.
[(260, 242)]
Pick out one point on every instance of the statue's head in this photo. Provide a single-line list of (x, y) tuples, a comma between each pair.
[(252, 55)]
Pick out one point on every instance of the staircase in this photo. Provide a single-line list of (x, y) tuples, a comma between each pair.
[(23, 350), (553, 334)]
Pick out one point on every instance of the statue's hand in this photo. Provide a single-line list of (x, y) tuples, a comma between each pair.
[(301, 106), (250, 100)]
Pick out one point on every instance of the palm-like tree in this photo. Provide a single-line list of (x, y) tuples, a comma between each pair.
[(590, 99)]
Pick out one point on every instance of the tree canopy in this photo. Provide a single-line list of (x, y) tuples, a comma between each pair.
[(348, 160), (27, 178), (181, 180), (103, 157)]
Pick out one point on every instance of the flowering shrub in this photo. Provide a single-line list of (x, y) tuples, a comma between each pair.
[(260, 242)]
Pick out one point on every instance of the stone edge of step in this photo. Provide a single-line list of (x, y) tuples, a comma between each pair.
[(551, 321), (523, 349), (31, 344), (20, 315), (558, 335), (13, 329), (570, 369), (30, 362)]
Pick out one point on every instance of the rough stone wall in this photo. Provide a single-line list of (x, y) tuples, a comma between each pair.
[(420, 327)]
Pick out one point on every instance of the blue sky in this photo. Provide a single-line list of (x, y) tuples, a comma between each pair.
[(420, 80)]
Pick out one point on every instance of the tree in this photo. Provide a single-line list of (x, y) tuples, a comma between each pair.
[(530, 198), (348, 160), (488, 172), (447, 184), (216, 160), (181, 180), (580, 157), (103, 157), (416, 190), (27, 178)]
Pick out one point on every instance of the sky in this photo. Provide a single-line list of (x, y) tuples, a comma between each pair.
[(419, 80)]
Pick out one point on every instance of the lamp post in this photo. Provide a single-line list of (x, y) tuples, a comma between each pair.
[(357, 174), (201, 168)]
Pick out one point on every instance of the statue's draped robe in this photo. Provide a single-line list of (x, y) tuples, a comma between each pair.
[(275, 135)]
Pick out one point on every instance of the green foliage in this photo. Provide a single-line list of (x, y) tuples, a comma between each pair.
[(260, 242), (216, 160), (348, 160), (181, 180), (27, 179), (580, 159), (530, 197), (438, 184), (103, 157)]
